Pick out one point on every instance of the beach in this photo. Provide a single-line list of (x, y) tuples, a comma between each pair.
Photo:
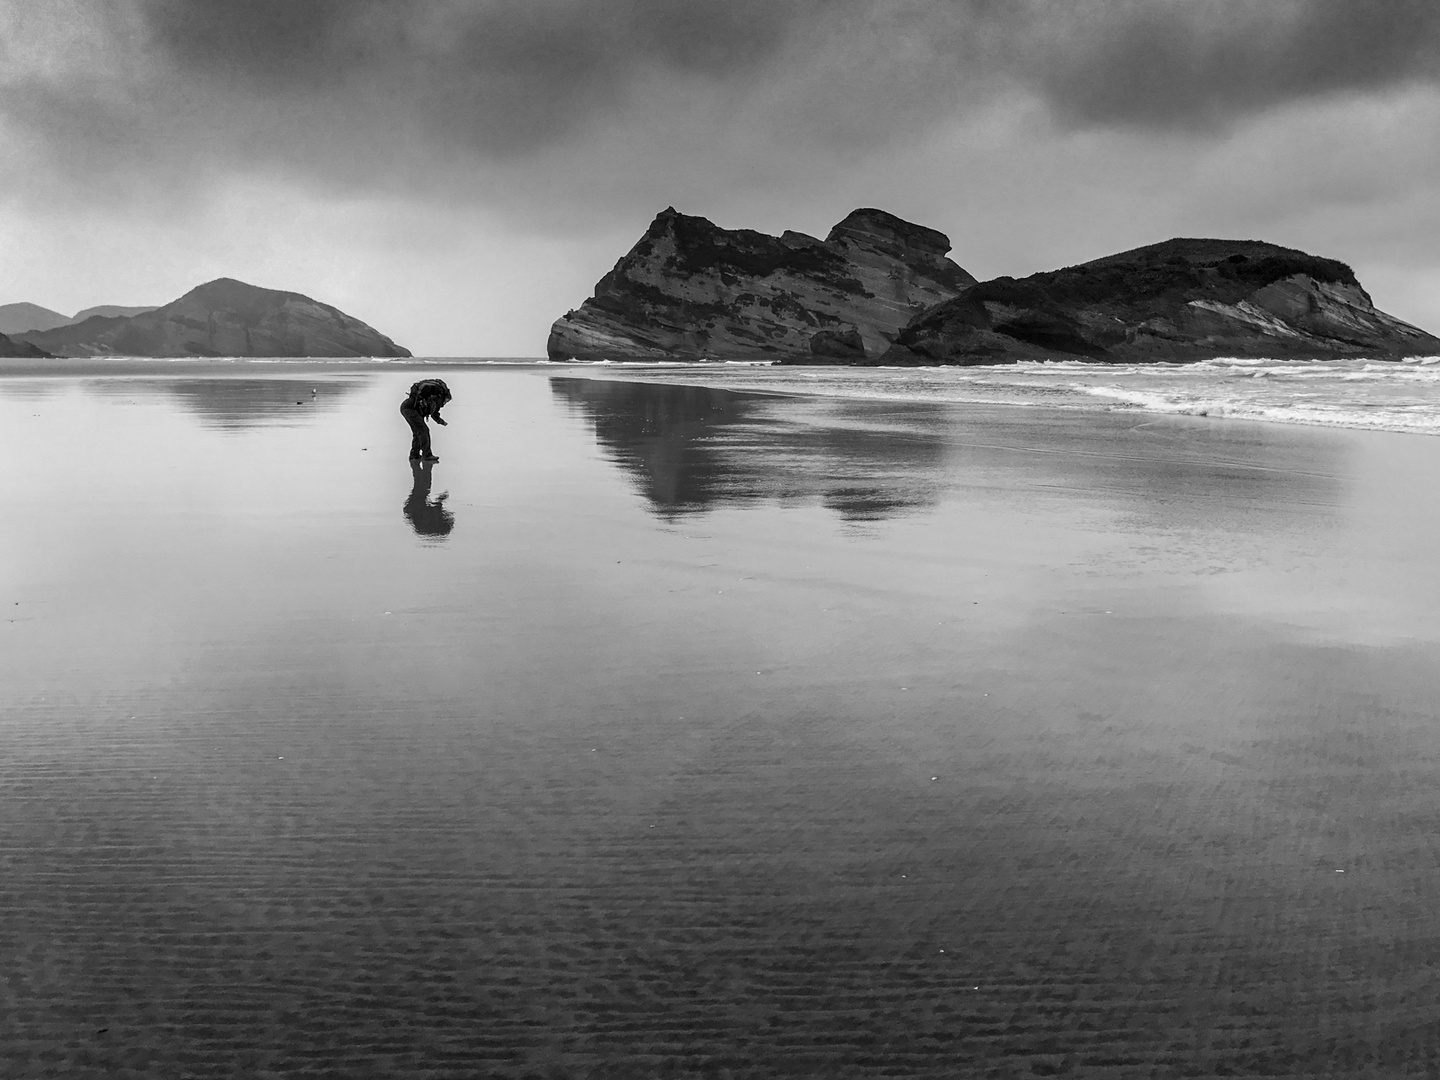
[(671, 730)]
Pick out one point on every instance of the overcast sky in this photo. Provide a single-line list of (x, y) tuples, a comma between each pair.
[(459, 173)]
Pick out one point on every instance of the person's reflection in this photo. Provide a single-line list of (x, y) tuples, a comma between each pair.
[(427, 517)]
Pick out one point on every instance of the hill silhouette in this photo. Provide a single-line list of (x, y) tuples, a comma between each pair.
[(224, 317)]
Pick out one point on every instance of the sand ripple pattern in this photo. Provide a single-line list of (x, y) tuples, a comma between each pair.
[(396, 895)]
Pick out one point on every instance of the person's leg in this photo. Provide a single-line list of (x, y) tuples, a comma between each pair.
[(419, 433)]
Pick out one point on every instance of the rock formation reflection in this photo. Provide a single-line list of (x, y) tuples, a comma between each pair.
[(428, 517), (232, 404), (689, 447), (25, 389)]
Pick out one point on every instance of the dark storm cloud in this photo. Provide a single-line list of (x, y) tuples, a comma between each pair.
[(322, 40), (357, 92), (499, 76), (1204, 62), (513, 71), (376, 93)]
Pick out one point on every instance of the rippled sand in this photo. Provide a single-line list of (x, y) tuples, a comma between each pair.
[(661, 731)]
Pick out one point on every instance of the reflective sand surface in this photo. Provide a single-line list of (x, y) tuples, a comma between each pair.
[(670, 732)]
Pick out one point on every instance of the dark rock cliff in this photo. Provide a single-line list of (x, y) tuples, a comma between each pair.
[(224, 318), (1184, 299), (691, 290)]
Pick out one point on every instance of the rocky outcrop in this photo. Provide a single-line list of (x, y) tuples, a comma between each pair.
[(1180, 300), (845, 346), (224, 318), (690, 290), (13, 347)]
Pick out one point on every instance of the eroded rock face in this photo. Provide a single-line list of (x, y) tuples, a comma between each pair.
[(1184, 299), (691, 290), (224, 318), (845, 346)]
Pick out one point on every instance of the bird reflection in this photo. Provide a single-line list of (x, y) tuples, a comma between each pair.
[(428, 517)]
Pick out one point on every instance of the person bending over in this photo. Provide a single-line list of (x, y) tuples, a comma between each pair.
[(425, 399)]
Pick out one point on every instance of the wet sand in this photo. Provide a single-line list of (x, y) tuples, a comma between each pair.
[(661, 731)]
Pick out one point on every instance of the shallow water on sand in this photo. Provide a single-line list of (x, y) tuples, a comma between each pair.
[(1363, 394), (664, 731)]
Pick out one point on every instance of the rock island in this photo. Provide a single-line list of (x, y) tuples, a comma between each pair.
[(691, 290), (880, 290)]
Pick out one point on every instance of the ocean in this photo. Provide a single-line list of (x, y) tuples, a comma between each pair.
[(1361, 394), (1364, 394)]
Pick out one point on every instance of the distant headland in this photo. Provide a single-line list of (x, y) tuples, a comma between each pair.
[(879, 290), (18, 319), (224, 317)]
